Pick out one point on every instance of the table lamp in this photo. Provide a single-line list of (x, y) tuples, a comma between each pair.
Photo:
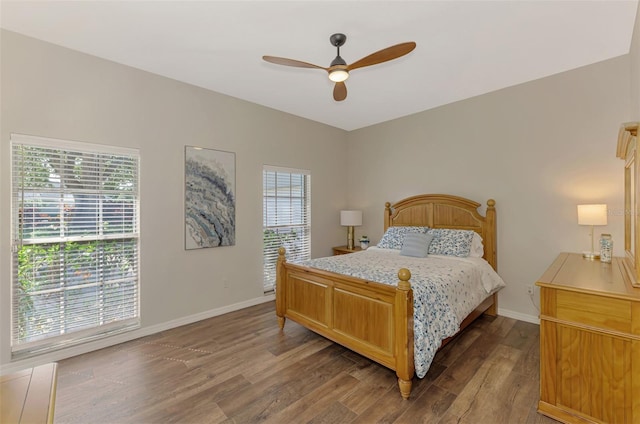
[(350, 219), (592, 215)]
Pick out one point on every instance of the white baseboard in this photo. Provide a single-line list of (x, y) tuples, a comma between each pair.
[(519, 316), (128, 336)]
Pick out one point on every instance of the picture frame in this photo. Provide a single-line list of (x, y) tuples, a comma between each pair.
[(210, 198)]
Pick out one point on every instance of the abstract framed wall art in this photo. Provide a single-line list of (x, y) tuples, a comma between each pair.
[(210, 198)]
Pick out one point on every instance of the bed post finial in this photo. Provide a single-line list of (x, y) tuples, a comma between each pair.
[(280, 292), (404, 275), (387, 215), (491, 247)]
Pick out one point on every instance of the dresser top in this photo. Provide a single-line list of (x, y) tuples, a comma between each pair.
[(571, 271)]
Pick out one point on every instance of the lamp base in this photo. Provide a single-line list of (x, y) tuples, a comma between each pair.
[(350, 241), (592, 256)]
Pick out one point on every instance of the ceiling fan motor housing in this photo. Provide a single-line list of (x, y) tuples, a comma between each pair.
[(338, 61)]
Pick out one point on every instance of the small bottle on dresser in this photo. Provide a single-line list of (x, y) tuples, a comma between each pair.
[(606, 248)]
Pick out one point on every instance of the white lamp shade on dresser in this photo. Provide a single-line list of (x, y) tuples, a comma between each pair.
[(592, 214)]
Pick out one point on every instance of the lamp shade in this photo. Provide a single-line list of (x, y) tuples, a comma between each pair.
[(351, 218), (592, 214)]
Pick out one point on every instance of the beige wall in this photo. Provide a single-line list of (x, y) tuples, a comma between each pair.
[(538, 149), (635, 70), (55, 92)]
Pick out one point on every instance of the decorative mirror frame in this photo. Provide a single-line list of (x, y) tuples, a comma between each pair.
[(628, 151)]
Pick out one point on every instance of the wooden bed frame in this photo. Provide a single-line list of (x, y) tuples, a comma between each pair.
[(375, 319)]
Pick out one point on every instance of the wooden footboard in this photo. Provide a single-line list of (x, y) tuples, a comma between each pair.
[(372, 319)]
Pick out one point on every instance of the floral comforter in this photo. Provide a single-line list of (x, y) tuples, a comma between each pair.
[(445, 290)]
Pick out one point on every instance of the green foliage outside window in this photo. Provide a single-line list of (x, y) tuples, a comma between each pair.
[(76, 247)]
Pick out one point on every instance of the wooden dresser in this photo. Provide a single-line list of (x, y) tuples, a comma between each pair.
[(589, 342), (28, 396)]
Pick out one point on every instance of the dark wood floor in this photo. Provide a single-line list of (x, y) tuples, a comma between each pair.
[(239, 368)]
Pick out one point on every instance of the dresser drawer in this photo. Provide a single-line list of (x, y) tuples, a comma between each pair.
[(595, 311)]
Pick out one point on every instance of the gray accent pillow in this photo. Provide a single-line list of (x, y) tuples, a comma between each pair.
[(416, 245), (393, 238)]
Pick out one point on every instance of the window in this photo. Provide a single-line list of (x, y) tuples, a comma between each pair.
[(75, 242), (286, 217)]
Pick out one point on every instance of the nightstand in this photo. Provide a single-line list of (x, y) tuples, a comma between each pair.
[(342, 250)]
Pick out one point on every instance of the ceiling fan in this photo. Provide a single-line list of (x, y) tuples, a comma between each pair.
[(339, 70)]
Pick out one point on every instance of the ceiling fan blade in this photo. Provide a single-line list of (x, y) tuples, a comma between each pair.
[(290, 62), (339, 92), (383, 55)]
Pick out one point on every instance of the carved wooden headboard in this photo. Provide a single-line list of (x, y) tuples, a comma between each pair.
[(447, 211)]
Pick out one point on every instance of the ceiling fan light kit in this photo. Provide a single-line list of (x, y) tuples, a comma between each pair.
[(338, 70), (339, 74)]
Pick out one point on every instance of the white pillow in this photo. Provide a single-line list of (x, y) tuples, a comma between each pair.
[(477, 248)]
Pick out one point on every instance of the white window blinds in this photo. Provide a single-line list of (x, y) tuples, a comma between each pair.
[(75, 242), (286, 214)]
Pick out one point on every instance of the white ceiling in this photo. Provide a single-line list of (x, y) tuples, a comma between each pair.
[(464, 48)]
